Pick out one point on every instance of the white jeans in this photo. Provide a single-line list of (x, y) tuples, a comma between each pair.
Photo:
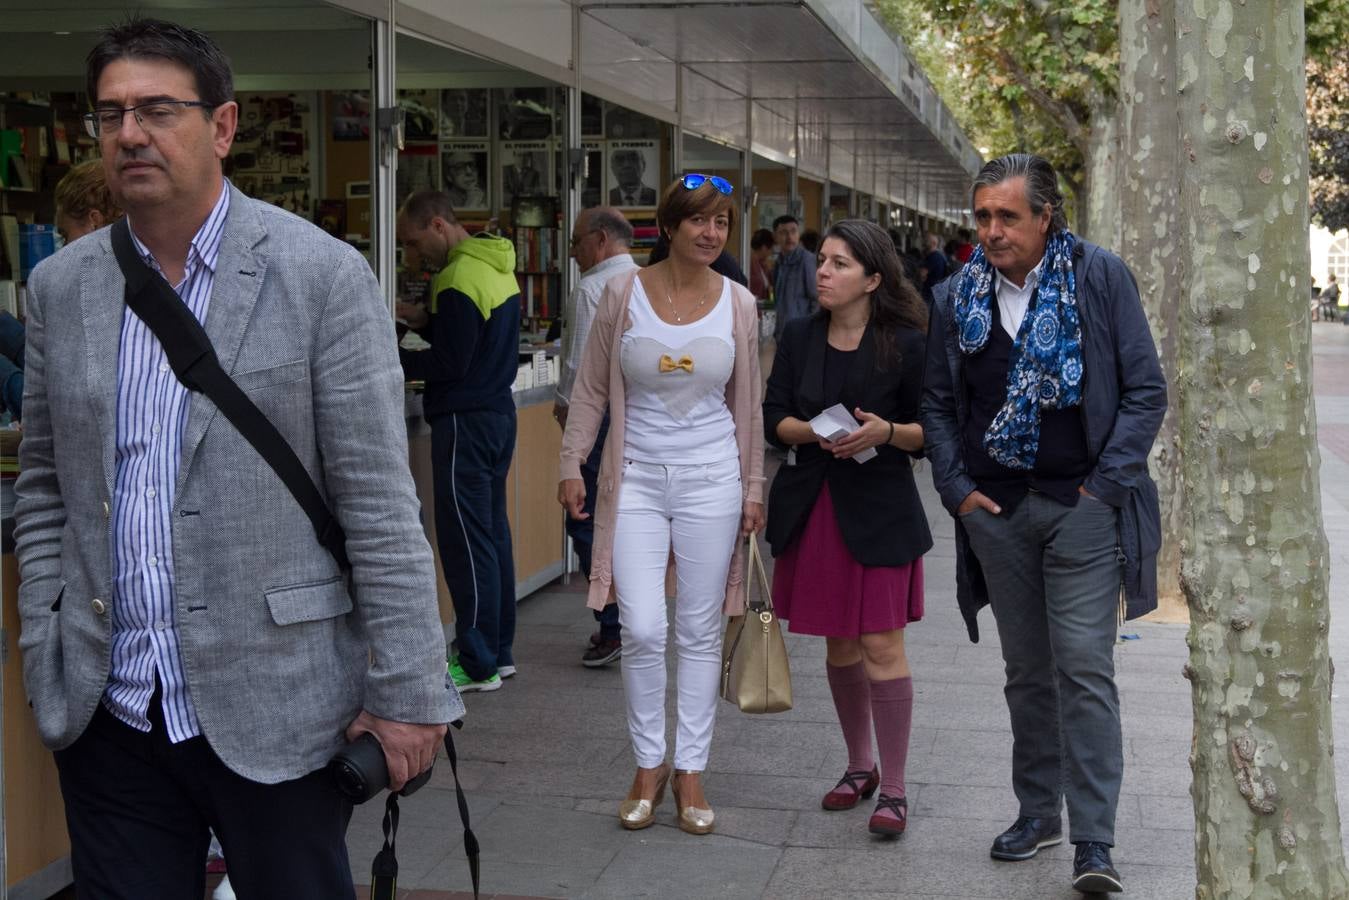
[(696, 509)]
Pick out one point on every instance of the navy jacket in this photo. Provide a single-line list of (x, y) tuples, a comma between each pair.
[(1123, 401)]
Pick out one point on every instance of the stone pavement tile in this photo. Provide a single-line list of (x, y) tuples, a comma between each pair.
[(763, 791), (960, 801), (670, 863), (516, 879), (770, 827), (1170, 812), (1147, 750), (976, 758), (1166, 780), (901, 870)]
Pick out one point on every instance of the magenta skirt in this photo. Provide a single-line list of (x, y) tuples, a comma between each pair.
[(819, 588)]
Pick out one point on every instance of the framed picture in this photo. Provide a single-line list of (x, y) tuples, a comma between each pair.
[(463, 113), (525, 114), (418, 170), (624, 124), (421, 114), (592, 116), (349, 113), (526, 169), (634, 172), (592, 175), (463, 172)]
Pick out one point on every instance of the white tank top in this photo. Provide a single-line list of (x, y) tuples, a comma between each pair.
[(675, 378)]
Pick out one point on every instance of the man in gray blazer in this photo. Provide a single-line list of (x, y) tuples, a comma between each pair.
[(193, 655)]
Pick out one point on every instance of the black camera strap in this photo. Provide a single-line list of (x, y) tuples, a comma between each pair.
[(193, 360), (384, 870)]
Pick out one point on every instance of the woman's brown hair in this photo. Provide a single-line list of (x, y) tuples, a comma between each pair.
[(678, 203), (895, 303)]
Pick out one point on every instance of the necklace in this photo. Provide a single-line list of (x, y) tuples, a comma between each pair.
[(674, 310)]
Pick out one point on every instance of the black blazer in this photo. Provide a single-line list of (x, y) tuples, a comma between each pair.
[(879, 512)]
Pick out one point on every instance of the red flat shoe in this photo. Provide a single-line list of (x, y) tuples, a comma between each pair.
[(889, 826), (852, 787)]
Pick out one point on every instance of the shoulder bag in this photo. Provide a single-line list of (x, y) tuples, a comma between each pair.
[(755, 675)]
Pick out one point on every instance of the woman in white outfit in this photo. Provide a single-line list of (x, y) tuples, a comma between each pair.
[(673, 355)]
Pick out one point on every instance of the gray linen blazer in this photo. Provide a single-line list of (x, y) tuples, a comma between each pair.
[(280, 651)]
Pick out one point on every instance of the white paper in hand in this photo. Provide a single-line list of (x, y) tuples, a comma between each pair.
[(836, 423)]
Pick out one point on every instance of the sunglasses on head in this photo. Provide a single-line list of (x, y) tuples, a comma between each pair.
[(693, 181)]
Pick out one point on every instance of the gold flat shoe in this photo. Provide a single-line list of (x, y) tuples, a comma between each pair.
[(639, 813), (692, 819)]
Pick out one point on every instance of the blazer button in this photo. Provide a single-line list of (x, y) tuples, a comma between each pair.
[(99, 606)]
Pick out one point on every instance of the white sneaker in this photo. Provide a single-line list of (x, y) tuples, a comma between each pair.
[(223, 891), (505, 671)]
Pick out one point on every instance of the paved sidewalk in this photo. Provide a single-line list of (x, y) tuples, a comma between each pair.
[(546, 761)]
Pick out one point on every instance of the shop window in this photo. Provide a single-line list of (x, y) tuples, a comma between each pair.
[(1338, 259)]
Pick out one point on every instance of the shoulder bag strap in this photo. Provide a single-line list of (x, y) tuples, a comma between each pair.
[(754, 572), (194, 361)]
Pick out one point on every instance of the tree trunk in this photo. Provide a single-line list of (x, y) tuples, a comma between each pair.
[(1101, 222), (1150, 238), (1254, 564)]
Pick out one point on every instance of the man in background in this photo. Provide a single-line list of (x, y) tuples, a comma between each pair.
[(472, 322), (600, 243), (934, 262), (794, 292)]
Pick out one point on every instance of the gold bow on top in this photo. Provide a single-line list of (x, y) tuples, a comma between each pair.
[(668, 363)]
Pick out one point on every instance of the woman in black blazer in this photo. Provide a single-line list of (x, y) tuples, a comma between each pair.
[(849, 537)]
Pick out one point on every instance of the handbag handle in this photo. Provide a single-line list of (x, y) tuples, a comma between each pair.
[(753, 565)]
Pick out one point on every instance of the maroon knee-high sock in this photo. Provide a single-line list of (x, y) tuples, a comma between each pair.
[(892, 715), (852, 699)]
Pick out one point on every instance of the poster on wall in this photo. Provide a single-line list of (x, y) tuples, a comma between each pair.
[(620, 123), (592, 116), (526, 168), (421, 114), (592, 183), (418, 170), (463, 113), (524, 114), (269, 159), (634, 172), (349, 113), (463, 171)]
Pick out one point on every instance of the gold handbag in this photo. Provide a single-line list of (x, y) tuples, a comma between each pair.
[(754, 671)]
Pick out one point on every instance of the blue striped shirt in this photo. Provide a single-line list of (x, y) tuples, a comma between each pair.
[(152, 409)]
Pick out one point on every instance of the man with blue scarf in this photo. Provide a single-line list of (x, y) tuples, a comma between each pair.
[(1042, 398)]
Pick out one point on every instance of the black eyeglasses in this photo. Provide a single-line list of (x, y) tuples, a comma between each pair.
[(158, 115), (694, 180)]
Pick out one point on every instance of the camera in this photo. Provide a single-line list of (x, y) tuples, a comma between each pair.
[(360, 770)]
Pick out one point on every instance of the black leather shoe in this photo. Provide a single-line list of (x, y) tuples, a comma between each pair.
[(1026, 836), (1092, 871)]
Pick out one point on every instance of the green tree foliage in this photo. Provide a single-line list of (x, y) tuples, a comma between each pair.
[(1328, 135), (1019, 75), (1026, 75)]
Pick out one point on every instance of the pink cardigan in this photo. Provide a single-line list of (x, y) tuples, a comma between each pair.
[(599, 386)]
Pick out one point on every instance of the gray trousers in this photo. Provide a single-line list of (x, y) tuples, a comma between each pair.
[(1053, 575)]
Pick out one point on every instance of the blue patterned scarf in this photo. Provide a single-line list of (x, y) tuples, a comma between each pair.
[(1046, 366)]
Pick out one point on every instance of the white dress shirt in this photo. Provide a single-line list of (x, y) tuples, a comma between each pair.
[(580, 313), (152, 409), (1013, 301)]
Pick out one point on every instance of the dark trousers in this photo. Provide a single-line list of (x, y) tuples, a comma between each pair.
[(1054, 581), (140, 811), (471, 457), (582, 531)]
